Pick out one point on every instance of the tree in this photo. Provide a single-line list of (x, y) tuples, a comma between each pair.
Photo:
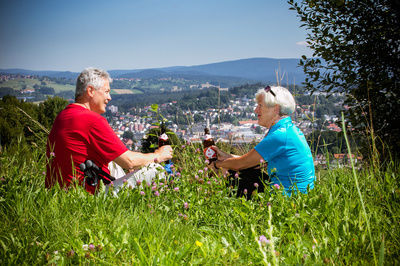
[(356, 50), (49, 109)]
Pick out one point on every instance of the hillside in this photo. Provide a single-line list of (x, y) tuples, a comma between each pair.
[(251, 69)]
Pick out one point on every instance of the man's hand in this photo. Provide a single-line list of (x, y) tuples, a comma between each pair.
[(164, 153)]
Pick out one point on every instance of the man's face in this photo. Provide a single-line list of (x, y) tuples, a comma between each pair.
[(100, 98)]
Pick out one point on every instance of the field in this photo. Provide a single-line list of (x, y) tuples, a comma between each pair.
[(125, 91), (192, 219), (20, 83)]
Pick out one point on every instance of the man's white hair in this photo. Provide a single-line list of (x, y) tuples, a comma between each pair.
[(90, 76)]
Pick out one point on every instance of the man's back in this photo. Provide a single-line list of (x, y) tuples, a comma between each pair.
[(77, 135)]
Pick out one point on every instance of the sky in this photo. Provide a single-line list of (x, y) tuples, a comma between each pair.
[(71, 35)]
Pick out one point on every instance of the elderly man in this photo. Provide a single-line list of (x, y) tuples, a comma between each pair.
[(80, 132)]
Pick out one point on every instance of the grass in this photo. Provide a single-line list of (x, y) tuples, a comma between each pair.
[(40, 226)]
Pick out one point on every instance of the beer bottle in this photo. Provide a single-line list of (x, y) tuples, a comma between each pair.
[(209, 152), (163, 139)]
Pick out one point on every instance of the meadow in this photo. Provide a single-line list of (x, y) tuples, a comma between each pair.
[(20, 83), (192, 219)]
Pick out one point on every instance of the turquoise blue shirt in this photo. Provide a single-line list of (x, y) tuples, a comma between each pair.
[(290, 163)]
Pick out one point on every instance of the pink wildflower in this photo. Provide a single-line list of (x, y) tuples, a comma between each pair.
[(186, 205), (256, 185), (263, 240), (277, 186), (176, 189), (142, 193), (138, 182), (157, 193)]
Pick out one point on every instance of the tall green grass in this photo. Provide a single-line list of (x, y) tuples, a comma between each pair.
[(194, 221)]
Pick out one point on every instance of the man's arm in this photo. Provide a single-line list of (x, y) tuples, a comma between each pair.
[(132, 160)]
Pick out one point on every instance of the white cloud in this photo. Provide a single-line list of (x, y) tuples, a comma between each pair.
[(302, 43)]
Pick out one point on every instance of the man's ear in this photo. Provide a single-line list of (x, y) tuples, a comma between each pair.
[(90, 90)]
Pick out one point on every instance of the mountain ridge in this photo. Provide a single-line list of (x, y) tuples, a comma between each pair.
[(252, 69)]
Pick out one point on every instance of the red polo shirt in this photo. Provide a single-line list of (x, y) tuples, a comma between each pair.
[(79, 134)]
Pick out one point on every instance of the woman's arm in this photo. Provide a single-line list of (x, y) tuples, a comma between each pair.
[(250, 159)]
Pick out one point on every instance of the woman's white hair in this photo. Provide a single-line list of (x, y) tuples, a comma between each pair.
[(282, 97), (90, 76)]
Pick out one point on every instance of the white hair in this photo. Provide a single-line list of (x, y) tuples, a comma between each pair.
[(282, 97), (90, 76)]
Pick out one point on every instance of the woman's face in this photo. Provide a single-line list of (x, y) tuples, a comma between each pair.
[(266, 115)]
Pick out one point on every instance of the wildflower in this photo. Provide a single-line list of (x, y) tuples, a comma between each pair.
[(277, 186), (183, 146), (85, 247), (138, 182), (52, 154), (186, 205), (91, 247), (178, 174), (198, 243), (209, 182), (262, 160), (256, 185), (180, 214), (197, 150), (71, 253), (263, 240), (185, 217), (205, 169), (142, 193), (196, 177), (207, 161), (236, 175), (55, 252), (154, 188), (161, 183), (176, 189), (200, 171), (44, 173), (245, 191), (125, 181), (157, 193)]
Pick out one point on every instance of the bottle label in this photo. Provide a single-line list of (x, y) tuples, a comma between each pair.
[(210, 153), (208, 136), (164, 137)]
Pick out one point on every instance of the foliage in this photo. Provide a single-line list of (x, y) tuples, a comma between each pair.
[(193, 220), (356, 51), (27, 121)]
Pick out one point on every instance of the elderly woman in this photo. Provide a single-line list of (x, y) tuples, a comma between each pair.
[(284, 147)]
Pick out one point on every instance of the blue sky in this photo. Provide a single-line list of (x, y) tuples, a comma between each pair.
[(131, 34)]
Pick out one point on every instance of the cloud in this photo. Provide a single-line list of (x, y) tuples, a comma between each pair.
[(302, 43)]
